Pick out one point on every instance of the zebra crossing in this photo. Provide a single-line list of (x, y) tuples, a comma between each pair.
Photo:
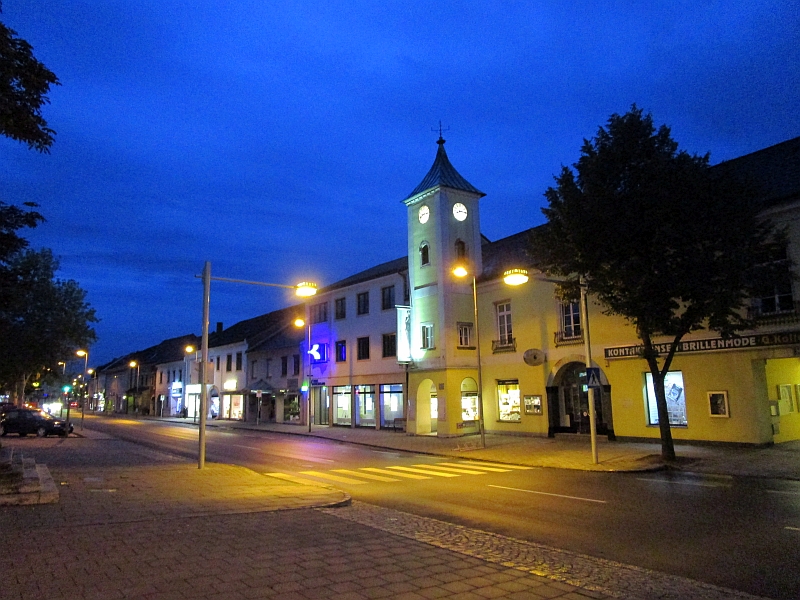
[(397, 473)]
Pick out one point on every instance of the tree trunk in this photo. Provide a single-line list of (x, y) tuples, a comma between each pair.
[(650, 354)]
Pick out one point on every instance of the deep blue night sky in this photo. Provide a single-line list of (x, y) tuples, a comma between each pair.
[(277, 140)]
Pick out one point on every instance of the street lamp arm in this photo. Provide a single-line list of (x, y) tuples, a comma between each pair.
[(278, 285)]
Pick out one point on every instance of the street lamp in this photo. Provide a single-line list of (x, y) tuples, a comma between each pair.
[(299, 322), (303, 289), (85, 355), (512, 277), (133, 364)]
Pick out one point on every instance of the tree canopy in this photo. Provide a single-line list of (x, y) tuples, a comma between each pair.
[(43, 321), (659, 238), (24, 84)]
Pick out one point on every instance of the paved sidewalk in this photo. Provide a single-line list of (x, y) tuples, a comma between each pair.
[(564, 451), (134, 523)]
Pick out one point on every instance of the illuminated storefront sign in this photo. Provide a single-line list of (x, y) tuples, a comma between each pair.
[(711, 344)]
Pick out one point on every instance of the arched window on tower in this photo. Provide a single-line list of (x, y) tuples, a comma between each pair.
[(461, 250), (424, 254)]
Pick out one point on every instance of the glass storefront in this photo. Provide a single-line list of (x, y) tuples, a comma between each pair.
[(674, 390), (341, 403), (508, 400), (469, 406), (392, 401), (365, 401), (291, 408)]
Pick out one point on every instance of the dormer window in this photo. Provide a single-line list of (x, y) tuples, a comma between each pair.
[(461, 249), (424, 254)]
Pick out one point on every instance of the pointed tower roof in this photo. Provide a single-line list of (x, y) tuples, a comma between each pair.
[(443, 174)]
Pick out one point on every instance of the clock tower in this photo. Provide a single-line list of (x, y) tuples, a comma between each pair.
[(443, 232)]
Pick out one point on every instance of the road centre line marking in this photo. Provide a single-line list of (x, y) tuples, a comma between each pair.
[(365, 475), (694, 483), (291, 478), (336, 478), (792, 528), (548, 494), (790, 492), (453, 470), (385, 472), (423, 471), (497, 465), (245, 447)]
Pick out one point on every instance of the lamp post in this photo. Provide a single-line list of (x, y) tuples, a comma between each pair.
[(299, 322), (133, 364), (514, 277), (85, 355), (303, 289)]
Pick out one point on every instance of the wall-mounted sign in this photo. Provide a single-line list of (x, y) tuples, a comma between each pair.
[(403, 334), (318, 353), (762, 340)]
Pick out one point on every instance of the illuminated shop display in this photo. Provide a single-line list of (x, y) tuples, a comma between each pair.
[(676, 399), (508, 400)]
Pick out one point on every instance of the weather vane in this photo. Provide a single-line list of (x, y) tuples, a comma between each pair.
[(441, 139)]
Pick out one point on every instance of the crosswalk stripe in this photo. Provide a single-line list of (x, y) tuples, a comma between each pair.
[(365, 475), (404, 475), (291, 478), (474, 466), (423, 471), (453, 470), (336, 478), (486, 466)]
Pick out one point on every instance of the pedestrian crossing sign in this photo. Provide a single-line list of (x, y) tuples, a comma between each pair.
[(593, 377)]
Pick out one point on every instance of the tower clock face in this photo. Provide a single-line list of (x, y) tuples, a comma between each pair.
[(459, 211), (424, 214)]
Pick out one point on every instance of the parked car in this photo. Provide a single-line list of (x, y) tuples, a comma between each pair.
[(25, 420)]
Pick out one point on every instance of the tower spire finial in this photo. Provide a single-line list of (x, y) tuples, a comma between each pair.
[(441, 140)]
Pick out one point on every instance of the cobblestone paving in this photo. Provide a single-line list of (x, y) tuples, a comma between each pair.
[(605, 577)]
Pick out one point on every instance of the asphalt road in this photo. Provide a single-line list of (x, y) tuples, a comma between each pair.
[(735, 532)]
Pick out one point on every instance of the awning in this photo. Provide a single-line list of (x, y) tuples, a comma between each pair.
[(260, 386)]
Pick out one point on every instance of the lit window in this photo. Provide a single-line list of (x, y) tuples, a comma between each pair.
[(676, 399)]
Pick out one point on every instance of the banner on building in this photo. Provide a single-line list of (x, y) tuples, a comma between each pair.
[(403, 334)]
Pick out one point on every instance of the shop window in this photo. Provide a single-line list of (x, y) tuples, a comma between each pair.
[(318, 313), (362, 348), (238, 361), (389, 345), (341, 351), (508, 400), (340, 308), (392, 400), (284, 366), (465, 335), (229, 363), (362, 303), (424, 254), (426, 332), (674, 390), (365, 400), (469, 400), (342, 403), (296, 364), (387, 298)]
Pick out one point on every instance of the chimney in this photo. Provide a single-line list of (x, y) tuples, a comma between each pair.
[(219, 326)]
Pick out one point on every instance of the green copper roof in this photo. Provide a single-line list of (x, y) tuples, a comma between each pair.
[(443, 174)]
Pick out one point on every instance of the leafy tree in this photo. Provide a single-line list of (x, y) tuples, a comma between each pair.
[(659, 238), (24, 84), (43, 321)]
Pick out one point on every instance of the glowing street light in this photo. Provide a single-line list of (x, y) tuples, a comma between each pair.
[(304, 289), (133, 364), (85, 355)]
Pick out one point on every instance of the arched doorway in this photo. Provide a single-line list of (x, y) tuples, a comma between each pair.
[(427, 409), (568, 402)]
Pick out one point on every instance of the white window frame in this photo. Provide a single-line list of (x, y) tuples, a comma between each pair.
[(505, 332), (465, 335), (426, 333)]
